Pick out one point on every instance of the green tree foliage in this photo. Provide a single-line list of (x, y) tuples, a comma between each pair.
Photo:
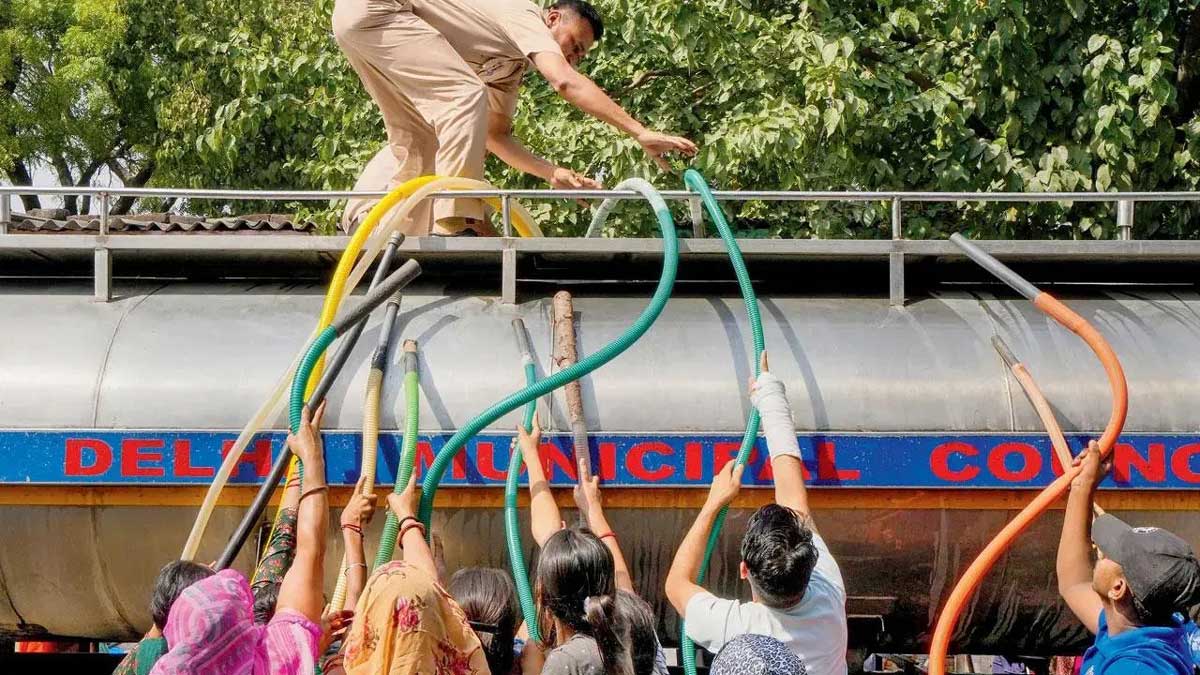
[(958, 95)]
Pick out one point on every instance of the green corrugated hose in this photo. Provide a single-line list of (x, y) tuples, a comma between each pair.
[(408, 454), (697, 184), (605, 354), (512, 526)]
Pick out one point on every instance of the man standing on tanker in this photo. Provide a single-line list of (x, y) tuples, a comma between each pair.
[(446, 74)]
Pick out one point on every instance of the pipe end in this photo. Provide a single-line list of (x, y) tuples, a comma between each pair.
[(410, 346)]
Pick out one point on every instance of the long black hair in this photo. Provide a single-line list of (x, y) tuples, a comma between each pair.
[(643, 640), (489, 599), (576, 584)]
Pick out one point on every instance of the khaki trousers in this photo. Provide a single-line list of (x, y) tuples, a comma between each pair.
[(434, 106)]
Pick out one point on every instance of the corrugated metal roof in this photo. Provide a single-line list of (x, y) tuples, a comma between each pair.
[(55, 220)]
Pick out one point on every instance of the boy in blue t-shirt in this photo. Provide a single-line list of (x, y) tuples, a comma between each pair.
[(1143, 578)]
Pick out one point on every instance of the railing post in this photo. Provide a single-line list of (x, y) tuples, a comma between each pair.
[(103, 256), (5, 212), (508, 274), (697, 212), (1125, 219), (896, 258), (506, 214)]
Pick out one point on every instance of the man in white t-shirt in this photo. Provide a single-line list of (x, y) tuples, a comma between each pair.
[(798, 594)]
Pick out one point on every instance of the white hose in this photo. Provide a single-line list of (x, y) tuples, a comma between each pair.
[(607, 206)]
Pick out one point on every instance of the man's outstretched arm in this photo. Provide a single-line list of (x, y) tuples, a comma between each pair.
[(581, 92), (770, 398), (681, 579)]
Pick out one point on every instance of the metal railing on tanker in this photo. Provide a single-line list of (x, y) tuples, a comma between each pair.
[(896, 248)]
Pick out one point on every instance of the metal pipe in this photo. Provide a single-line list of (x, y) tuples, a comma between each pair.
[(897, 222), (1125, 219), (997, 268), (506, 214), (377, 296)]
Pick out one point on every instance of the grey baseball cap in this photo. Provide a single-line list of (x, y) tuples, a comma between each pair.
[(1161, 568)]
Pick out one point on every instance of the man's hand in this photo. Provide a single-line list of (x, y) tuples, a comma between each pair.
[(404, 504), (566, 179), (725, 486), (306, 442), (361, 508), (1093, 470), (658, 144)]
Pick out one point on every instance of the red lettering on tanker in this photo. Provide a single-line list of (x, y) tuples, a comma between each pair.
[(486, 462), (259, 457), (1029, 459), (87, 457), (136, 452), (693, 464), (608, 461), (637, 462), (939, 462), (1152, 467), (181, 450), (827, 465), (1181, 462)]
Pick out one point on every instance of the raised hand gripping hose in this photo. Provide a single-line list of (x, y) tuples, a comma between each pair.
[(697, 184), (605, 354), (408, 450), (370, 435), (391, 285), (512, 525), (413, 190), (1120, 399)]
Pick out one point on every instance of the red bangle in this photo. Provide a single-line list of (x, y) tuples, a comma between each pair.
[(418, 525), (608, 534), (353, 528)]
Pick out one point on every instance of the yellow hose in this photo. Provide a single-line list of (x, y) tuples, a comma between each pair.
[(370, 454), (344, 281)]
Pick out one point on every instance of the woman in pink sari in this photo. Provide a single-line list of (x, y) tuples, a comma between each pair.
[(211, 629)]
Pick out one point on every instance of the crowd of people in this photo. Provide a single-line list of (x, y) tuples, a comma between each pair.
[(408, 620)]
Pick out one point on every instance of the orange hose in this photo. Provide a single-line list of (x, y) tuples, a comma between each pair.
[(971, 579)]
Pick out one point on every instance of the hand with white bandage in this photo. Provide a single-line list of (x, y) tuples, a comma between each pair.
[(769, 397)]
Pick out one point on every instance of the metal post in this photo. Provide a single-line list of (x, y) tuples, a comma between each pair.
[(5, 213), (103, 257), (1125, 219), (696, 207), (896, 258), (103, 214), (506, 214), (508, 276)]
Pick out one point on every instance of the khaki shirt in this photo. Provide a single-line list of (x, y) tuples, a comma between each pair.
[(495, 38)]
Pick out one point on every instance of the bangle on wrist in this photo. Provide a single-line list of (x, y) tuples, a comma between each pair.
[(351, 527), (415, 525), (313, 490), (607, 534), (351, 566)]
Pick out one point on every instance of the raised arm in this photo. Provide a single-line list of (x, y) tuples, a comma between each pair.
[(412, 532), (591, 505), (768, 394), (544, 518), (581, 92), (358, 513), (301, 589), (681, 579), (1074, 563)]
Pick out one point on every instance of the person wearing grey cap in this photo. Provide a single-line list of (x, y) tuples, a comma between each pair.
[(1144, 580)]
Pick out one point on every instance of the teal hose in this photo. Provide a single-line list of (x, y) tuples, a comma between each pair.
[(542, 387), (408, 454), (697, 184), (316, 350), (512, 526)]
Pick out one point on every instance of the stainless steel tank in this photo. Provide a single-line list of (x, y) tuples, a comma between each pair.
[(79, 561)]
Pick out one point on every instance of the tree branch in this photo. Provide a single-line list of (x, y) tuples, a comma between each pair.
[(139, 179), (65, 179), (18, 174)]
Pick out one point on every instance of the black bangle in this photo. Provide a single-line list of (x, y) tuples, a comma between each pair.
[(405, 519)]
